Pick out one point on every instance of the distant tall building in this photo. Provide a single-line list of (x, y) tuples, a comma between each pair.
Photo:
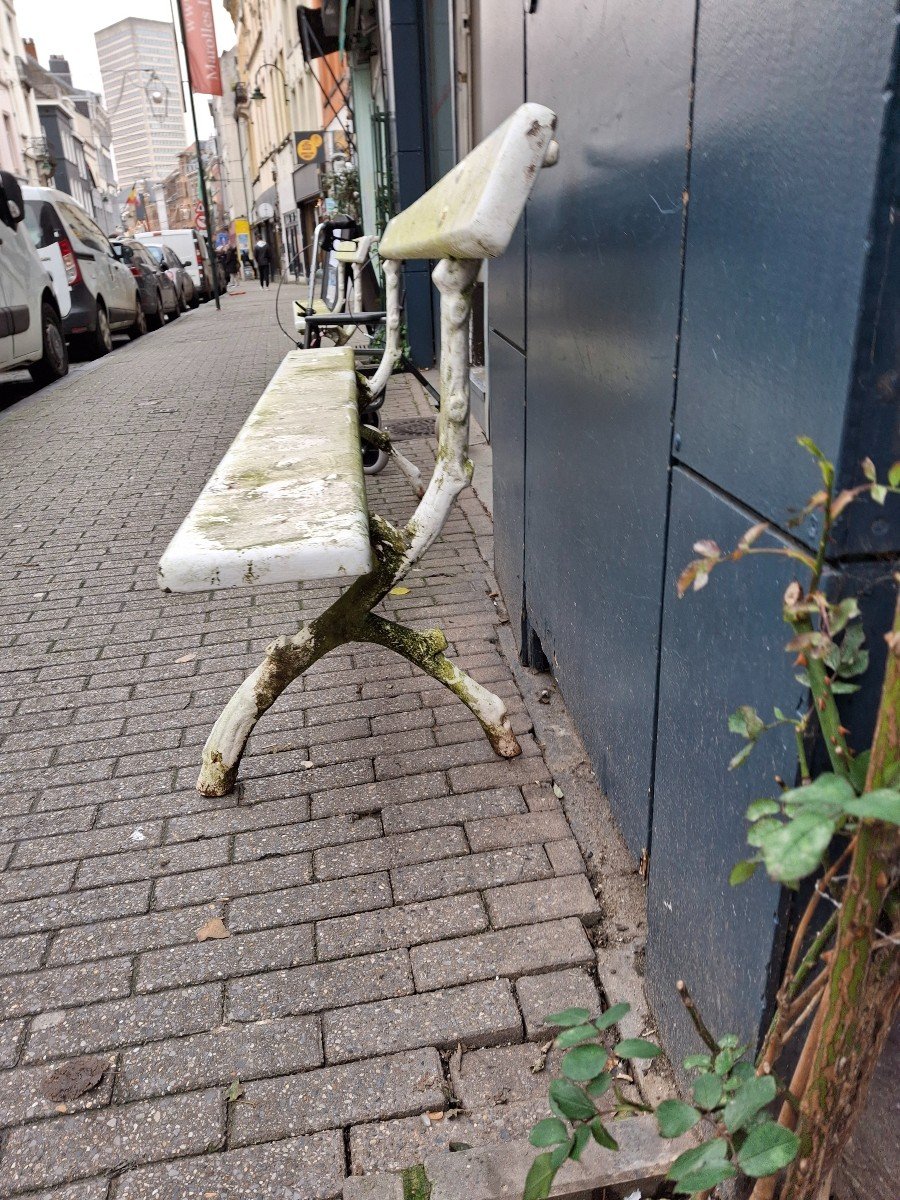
[(142, 84)]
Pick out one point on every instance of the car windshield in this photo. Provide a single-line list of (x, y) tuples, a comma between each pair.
[(122, 252)]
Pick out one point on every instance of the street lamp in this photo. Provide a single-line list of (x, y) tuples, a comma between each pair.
[(258, 93)]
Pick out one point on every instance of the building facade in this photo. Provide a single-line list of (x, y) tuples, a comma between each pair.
[(76, 133), (23, 149), (142, 85), (282, 98), (181, 187)]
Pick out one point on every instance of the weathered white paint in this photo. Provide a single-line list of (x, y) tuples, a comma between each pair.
[(392, 348), (288, 501), (472, 212)]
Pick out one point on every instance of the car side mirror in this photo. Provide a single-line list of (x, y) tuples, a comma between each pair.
[(12, 205), (185, 263)]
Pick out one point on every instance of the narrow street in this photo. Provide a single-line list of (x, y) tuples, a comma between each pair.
[(399, 908)]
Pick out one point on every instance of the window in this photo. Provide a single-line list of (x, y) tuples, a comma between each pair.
[(42, 223), (84, 228)]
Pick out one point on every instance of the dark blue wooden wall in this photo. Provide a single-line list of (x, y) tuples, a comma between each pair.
[(708, 272)]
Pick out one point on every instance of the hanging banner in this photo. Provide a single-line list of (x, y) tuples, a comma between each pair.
[(200, 47)]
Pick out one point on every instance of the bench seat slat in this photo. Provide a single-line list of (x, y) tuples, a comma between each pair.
[(288, 500)]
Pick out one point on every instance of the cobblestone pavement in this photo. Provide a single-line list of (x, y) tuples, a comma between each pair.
[(400, 915)]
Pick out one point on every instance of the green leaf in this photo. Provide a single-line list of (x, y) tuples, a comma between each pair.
[(705, 1178), (878, 492), (729, 1041), (602, 1136), (707, 1091), (794, 850), (747, 722), (750, 1097), (840, 615), (693, 1061), (582, 1137), (894, 474), (674, 1118), (859, 769), (636, 1048), (743, 871), (881, 805), (827, 795), (840, 687), (578, 1033), (599, 1086), (548, 1132), (741, 757), (712, 1153), (569, 1016), (613, 1016), (571, 1100), (725, 1060), (767, 1149), (561, 1153), (539, 1179), (761, 830), (762, 808), (584, 1062)]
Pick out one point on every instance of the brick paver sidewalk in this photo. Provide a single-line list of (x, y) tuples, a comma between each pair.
[(401, 913)]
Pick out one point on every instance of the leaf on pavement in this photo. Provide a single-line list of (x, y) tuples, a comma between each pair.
[(73, 1079), (214, 928)]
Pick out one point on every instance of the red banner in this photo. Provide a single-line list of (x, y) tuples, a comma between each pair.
[(200, 47)]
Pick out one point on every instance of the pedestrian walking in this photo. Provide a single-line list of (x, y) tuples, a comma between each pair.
[(231, 264), (263, 261)]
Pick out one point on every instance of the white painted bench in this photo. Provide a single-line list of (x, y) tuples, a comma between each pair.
[(287, 503)]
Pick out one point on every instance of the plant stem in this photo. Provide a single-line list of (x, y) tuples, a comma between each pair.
[(693, 1013)]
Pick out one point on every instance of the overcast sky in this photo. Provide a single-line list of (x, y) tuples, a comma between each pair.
[(67, 27)]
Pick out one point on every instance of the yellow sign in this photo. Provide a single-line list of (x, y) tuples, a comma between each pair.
[(310, 146)]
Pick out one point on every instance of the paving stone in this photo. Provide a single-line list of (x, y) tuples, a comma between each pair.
[(240, 879), (22, 953), (152, 863), (241, 818), (10, 1041), (510, 952), (73, 908), (52, 1152), (333, 1096), (373, 797), (225, 958), (97, 1027), (540, 995), (510, 772), (130, 934), (500, 1074), (394, 1145), (299, 904), (530, 829), (36, 991), (42, 881), (87, 1189), (303, 1168), (404, 818), (544, 900), (565, 857), (402, 925), (228, 1052), (385, 852), (470, 873), (22, 1098), (482, 1014), (320, 986), (310, 835)]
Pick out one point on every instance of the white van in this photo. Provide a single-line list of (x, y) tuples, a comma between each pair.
[(31, 332), (192, 252)]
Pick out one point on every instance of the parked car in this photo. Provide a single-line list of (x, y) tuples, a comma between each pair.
[(192, 251), (103, 295), (31, 332), (157, 291), (165, 257)]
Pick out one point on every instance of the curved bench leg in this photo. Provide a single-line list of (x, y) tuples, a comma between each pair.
[(425, 650)]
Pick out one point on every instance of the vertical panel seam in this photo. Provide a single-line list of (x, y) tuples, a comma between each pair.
[(686, 197)]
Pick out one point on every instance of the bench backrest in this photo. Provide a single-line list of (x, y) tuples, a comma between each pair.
[(471, 213)]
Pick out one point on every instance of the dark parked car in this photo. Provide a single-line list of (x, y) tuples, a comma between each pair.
[(158, 293), (165, 257)]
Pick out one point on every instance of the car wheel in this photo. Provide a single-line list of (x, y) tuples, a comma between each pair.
[(139, 326), (54, 363), (156, 318), (100, 341)]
